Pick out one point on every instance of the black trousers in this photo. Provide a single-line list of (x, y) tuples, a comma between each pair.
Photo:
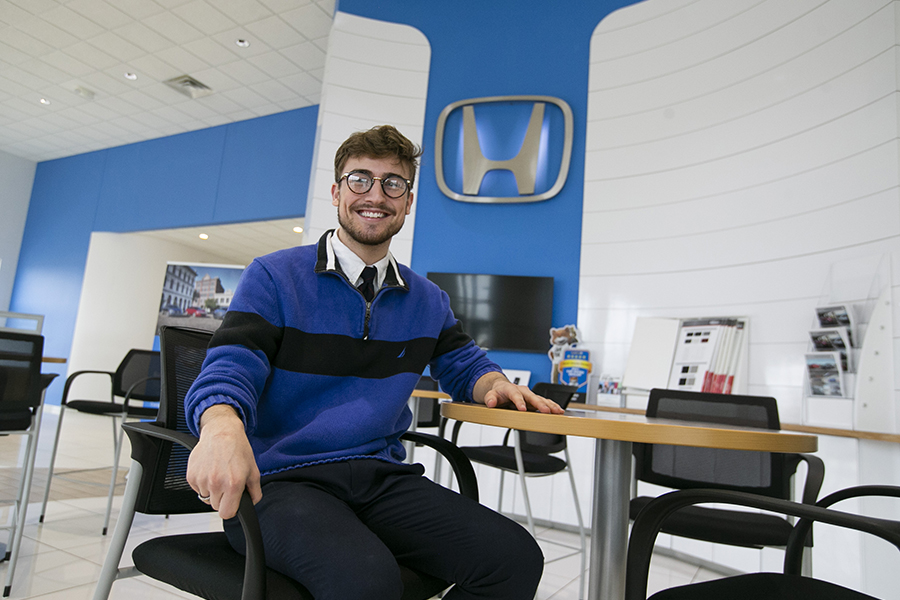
[(341, 529)]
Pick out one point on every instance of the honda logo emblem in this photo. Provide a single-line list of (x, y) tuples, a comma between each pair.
[(522, 122)]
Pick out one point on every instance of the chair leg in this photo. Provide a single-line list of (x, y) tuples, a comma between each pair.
[(22, 501), (109, 572), (115, 471), (62, 411), (580, 523), (520, 463)]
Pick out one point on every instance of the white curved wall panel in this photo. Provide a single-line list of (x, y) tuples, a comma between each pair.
[(375, 73), (735, 152)]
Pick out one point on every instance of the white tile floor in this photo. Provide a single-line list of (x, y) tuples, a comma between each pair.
[(61, 558)]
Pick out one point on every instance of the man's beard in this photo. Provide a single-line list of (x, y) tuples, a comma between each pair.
[(362, 236)]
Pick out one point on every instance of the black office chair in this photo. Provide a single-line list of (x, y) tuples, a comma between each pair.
[(204, 564), (533, 456), (788, 584), (683, 467), (22, 388), (136, 380)]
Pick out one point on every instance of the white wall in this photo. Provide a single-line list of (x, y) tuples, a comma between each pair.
[(362, 55), (738, 153), (119, 304), (16, 179)]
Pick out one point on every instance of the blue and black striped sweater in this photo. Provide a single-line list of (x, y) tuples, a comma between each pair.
[(316, 373)]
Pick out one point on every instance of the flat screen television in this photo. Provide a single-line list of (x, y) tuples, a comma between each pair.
[(501, 312)]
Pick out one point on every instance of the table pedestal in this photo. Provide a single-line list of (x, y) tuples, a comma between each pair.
[(609, 537)]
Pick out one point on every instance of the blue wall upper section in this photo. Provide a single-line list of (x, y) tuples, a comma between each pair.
[(247, 171), (494, 48)]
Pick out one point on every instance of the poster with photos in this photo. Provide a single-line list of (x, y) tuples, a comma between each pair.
[(196, 294), (825, 374)]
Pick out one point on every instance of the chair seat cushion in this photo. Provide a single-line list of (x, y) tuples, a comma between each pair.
[(732, 527), (15, 420), (504, 457), (204, 564), (96, 407), (759, 586)]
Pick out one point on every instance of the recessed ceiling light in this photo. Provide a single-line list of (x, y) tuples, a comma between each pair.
[(203, 236), (242, 43), (45, 101), (131, 76), (298, 230)]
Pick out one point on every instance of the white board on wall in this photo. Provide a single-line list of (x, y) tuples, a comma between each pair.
[(650, 356)]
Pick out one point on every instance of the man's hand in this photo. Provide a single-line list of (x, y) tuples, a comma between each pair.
[(222, 465), (494, 389)]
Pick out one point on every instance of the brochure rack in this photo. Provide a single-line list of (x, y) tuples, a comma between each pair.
[(696, 354), (861, 394)]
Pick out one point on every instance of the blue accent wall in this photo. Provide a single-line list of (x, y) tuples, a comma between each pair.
[(248, 171), (491, 48)]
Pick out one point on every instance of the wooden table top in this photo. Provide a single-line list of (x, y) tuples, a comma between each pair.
[(634, 428)]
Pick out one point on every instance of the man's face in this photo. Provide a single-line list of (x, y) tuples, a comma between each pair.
[(372, 218)]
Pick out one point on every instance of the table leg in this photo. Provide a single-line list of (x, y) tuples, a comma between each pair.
[(609, 524)]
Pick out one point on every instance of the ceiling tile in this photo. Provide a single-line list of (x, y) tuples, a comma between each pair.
[(220, 104), (151, 69), (301, 83), (244, 72), (246, 97), (12, 55), (216, 79), (204, 17), (43, 69), (242, 11), (274, 91), (143, 37), (173, 28), (280, 6), (46, 32), (12, 14), (229, 37), (276, 32), (142, 99), (24, 77), (72, 22), (104, 83), (141, 9), (25, 43), (67, 63), (211, 52), (91, 55), (182, 60), (115, 45), (274, 64), (104, 14), (309, 20), (306, 55), (34, 6)]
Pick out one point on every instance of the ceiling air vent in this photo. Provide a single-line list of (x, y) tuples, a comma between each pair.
[(188, 86)]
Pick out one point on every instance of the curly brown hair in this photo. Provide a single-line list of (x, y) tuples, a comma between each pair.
[(383, 141)]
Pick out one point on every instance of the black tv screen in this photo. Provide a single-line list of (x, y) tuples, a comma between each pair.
[(501, 312)]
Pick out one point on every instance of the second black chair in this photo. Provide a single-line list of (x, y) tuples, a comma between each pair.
[(136, 380), (683, 467)]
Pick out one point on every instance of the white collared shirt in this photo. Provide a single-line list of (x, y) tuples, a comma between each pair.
[(353, 266)]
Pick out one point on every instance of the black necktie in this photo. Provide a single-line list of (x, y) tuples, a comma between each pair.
[(367, 287)]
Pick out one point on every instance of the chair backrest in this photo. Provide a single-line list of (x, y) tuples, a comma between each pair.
[(164, 488), (141, 367), (683, 467), (429, 408), (535, 442), (20, 371)]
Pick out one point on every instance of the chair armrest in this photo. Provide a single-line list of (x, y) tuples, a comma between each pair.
[(648, 523), (462, 467), (134, 385), (815, 475), (793, 554), (255, 561), (72, 377)]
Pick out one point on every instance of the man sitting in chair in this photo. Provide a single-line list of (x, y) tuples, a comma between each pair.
[(303, 398)]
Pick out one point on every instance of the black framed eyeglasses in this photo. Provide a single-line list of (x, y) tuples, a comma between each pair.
[(361, 182)]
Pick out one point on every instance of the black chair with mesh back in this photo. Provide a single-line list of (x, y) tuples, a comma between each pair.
[(204, 564), (22, 388), (788, 584), (683, 467), (136, 381), (532, 455)]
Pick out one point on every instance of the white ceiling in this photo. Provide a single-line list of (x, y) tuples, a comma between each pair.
[(51, 48), (236, 244)]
